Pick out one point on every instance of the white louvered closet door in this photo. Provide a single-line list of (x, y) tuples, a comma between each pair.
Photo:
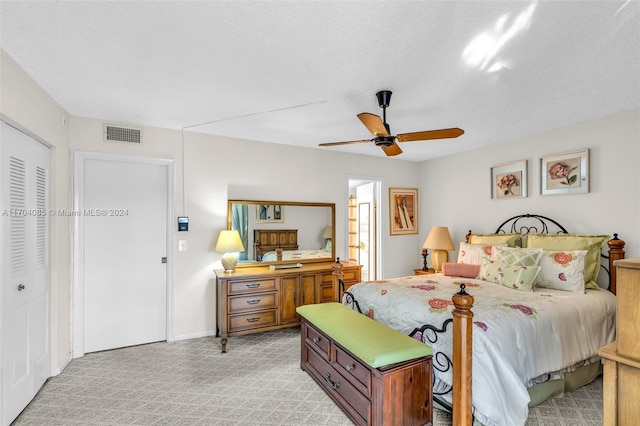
[(24, 253)]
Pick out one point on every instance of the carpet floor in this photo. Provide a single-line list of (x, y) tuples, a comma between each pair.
[(257, 382)]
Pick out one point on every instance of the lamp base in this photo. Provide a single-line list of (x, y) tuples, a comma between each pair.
[(229, 261), (438, 257)]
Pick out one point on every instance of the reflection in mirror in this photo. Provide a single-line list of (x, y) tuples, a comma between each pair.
[(283, 232)]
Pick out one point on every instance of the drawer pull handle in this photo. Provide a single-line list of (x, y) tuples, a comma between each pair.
[(316, 339), (253, 302), (252, 319), (334, 385), (256, 285), (350, 367)]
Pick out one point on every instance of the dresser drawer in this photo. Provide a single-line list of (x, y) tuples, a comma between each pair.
[(317, 340), (252, 302), (250, 286), (350, 276), (352, 369), (252, 320), (338, 386)]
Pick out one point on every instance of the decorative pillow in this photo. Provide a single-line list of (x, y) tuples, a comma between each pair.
[(464, 270), (512, 240), (517, 256), (568, 242), (562, 270), (513, 276), (473, 253)]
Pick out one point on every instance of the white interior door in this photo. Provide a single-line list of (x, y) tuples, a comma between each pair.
[(123, 226), (24, 253), (368, 198)]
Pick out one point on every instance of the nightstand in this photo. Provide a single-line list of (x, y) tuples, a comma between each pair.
[(423, 272)]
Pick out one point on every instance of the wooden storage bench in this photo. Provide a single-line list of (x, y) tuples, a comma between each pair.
[(377, 375)]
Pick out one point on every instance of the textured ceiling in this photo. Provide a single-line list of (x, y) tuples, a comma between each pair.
[(298, 72)]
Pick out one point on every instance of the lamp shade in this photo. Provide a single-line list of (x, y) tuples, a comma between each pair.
[(328, 232), (229, 241), (439, 239)]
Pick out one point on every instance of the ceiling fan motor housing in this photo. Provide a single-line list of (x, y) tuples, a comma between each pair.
[(384, 140), (384, 98)]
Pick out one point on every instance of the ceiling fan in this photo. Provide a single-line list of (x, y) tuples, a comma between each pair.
[(382, 133)]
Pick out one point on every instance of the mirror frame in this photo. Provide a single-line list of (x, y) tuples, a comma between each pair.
[(332, 206)]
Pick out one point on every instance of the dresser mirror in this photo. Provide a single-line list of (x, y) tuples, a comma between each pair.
[(283, 232)]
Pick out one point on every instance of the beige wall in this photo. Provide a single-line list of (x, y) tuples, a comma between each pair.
[(611, 206), (26, 106), (218, 168)]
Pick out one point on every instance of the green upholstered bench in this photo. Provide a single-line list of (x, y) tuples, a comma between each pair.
[(377, 375)]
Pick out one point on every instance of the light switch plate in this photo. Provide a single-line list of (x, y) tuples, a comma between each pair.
[(182, 245)]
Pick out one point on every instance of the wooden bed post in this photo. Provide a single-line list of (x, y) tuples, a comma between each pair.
[(616, 252), (336, 276), (462, 358)]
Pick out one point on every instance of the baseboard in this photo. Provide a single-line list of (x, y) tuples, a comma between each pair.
[(56, 371), (207, 333)]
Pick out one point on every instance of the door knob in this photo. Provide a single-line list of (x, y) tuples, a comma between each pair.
[(20, 287)]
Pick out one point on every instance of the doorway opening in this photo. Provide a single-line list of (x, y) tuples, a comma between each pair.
[(363, 226)]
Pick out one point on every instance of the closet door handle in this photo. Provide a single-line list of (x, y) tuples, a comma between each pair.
[(21, 287)]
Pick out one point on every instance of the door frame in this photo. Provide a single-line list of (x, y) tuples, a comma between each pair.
[(378, 207), (77, 320)]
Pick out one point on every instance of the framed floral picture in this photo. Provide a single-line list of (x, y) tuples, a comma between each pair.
[(566, 173), (403, 211), (509, 180)]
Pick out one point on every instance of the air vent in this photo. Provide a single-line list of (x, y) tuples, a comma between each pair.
[(113, 133)]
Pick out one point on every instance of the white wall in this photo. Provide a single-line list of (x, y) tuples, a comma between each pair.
[(27, 107), (460, 184), (219, 168)]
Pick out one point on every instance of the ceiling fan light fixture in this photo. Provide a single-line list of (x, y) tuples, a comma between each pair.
[(381, 130)]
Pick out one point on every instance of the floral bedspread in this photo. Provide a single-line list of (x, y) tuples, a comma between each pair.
[(517, 336)]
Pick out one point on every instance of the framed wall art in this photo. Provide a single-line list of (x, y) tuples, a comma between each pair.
[(509, 180), (566, 173), (269, 213), (403, 211)]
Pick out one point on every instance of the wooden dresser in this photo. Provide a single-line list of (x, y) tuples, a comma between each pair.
[(255, 299), (621, 359)]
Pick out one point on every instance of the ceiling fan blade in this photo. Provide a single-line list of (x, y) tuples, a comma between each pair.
[(430, 134), (391, 150), (344, 143), (373, 123)]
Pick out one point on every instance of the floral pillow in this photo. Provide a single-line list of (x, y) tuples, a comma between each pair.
[(517, 256), (562, 270), (473, 253), (513, 276)]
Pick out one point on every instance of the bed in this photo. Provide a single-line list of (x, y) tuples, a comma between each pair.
[(529, 342)]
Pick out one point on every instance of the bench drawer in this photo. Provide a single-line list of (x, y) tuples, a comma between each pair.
[(252, 302), (338, 387), (251, 286), (352, 369), (252, 320), (317, 340)]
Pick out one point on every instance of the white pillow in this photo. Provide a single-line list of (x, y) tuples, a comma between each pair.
[(562, 270), (473, 253), (517, 256)]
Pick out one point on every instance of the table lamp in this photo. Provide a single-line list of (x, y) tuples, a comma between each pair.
[(439, 240), (230, 244), (327, 234)]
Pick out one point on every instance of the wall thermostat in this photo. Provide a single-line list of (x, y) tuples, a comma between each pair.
[(183, 223)]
